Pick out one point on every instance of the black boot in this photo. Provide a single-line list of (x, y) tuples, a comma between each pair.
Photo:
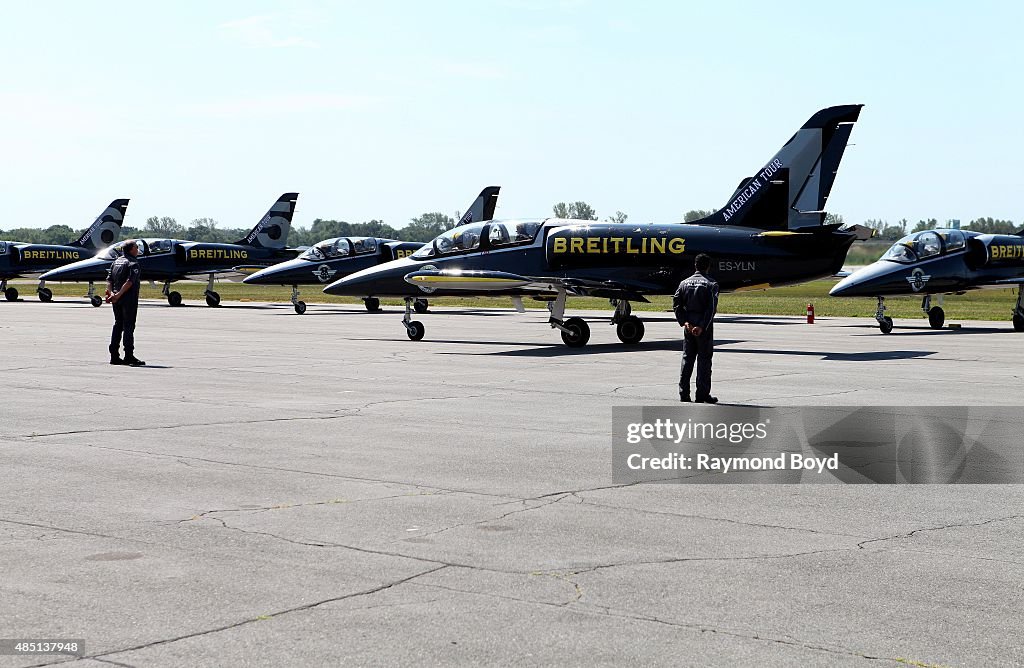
[(685, 398), (132, 360), (707, 400), (116, 359)]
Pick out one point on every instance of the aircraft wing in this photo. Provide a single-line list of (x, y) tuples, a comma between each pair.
[(236, 273), (482, 281)]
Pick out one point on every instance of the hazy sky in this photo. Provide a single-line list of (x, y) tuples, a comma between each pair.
[(388, 109)]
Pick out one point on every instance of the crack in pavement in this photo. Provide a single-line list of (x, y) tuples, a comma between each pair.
[(251, 620), (585, 608), (329, 502), (492, 519), (938, 528)]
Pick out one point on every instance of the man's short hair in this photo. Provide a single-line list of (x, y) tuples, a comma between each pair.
[(131, 243), (702, 263)]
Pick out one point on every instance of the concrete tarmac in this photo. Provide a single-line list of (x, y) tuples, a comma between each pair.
[(275, 489)]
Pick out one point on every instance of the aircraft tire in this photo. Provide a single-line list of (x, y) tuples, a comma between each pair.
[(1018, 322), (936, 317), (578, 334), (174, 298), (212, 299), (372, 304), (886, 325), (45, 294), (96, 301), (630, 330), (300, 307), (415, 330), (420, 306), (11, 294)]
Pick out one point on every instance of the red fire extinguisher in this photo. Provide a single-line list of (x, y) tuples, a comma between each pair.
[(810, 314)]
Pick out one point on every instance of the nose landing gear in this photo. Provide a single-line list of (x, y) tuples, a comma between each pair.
[(884, 321), (413, 328), (300, 306)]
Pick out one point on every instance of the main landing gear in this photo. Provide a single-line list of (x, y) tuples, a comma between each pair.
[(414, 328), (884, 321), (212, 298), (1018, 310), (575, 331), (45, 293), (10, 294), (628, 327), (300, 306), (936, 316), (173, 297), (94, 298), (372, 304)]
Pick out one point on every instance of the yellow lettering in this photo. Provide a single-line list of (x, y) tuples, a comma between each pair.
[(592, 246), (576, 245), (657, 245), (617, 241), (629, 246), (560, 245), (677, 246)]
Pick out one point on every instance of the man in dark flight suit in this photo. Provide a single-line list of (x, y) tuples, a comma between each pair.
[(695, 304), (123, 282)]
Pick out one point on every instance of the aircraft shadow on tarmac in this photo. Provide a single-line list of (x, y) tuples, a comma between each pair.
[(925, 330), (869, 356)]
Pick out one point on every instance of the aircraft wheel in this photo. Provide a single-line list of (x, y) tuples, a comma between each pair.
[(578, 334), (936, 317), (415, 330), (96, 300), (300, 307), (885, 325), (11, 294), (630, 330), (45, 294), (1018, 322), (174, 298), (212, 299), (420, 306), (372, 304)]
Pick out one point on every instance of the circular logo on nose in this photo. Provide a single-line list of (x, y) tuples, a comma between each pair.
[(918, 279), (324, 273)]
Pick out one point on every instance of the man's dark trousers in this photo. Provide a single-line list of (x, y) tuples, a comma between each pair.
[(125, 312), (697, 349)]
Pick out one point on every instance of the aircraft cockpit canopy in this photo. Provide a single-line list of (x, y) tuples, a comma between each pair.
[(923, 245), (362, 245), (470, 236), (327, 249), (3, 248), (155, 246)]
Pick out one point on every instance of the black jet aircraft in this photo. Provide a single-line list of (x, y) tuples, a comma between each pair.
[(20, 260), (331, 259), (169, 260), (770, 232), (940, 262)]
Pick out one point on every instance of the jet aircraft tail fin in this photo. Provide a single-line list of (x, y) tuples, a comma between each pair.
[(791, 190), (106, 229), (272, 230), (482, 207)]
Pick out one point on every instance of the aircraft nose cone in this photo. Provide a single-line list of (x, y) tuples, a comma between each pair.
[(374, 281), (871, 281), (277, 274), (83, 270)]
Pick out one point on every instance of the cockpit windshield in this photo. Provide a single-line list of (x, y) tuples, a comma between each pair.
[(468, 237), (917, 247), (329, 248), (113, 252)]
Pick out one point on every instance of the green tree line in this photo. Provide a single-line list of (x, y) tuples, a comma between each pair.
[(428, 225)]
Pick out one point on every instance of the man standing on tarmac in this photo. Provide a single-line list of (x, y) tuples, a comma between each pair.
[(695, 304), (123, 282)]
